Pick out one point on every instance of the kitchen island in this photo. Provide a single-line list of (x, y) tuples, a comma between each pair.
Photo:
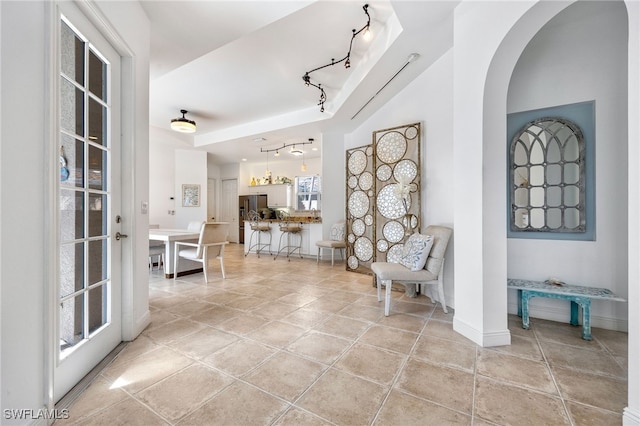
[(311, 232)]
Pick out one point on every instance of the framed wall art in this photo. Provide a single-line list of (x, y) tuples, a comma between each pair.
[(190, 195)]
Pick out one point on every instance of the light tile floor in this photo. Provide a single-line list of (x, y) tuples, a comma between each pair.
[(297, 343)]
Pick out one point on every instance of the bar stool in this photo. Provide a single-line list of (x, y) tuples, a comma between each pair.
[(288, 231), (258, 229)]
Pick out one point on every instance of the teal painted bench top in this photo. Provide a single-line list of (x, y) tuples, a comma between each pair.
[(576, 294)]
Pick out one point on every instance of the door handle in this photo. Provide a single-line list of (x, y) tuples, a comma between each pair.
[(119, 236)]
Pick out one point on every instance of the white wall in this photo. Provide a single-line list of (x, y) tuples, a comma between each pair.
[(190, 168), (333, 181), (27, 174), (632, 411), (162, 146), (580, 55), (23, 277), (428, 100)]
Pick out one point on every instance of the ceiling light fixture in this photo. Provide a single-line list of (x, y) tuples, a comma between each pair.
[(303, 167), (347, 59), (183, 124), (295, 151)]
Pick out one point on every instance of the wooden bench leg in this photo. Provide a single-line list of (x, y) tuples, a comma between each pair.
[(574, 313), (586, 319), (525, 308)]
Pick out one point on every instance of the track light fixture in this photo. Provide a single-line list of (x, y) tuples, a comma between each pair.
[(295, 151), (183, 124), (347, 59)]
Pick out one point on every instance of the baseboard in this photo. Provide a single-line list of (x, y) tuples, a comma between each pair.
[(142, 323), (486, 340), (558, 314)]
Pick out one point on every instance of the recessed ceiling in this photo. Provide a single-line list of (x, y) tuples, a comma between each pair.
[(237, 66)]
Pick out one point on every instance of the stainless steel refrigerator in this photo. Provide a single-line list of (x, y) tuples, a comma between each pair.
[(247, 203)]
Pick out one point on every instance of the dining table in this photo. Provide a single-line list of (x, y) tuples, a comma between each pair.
[(169, 237)]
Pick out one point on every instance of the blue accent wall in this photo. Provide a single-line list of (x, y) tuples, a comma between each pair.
[(583, 115)]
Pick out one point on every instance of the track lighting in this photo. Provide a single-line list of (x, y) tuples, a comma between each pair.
[(295, 151), (347, 59)]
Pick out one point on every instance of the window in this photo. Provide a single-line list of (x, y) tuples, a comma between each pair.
[(307, 192)]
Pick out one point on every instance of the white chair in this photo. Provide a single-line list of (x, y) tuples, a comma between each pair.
[(336, 241), (213, 238), (387, 273), (195, 225)]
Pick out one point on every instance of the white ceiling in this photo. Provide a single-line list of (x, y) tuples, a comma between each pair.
[(237, 66)]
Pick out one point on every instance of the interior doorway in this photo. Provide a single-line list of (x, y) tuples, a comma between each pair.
[(229, 207)]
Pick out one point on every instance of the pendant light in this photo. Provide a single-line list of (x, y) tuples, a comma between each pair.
[(183, 124)]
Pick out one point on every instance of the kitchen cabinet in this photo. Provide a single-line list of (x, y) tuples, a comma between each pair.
[(278, 195), (257, 189)]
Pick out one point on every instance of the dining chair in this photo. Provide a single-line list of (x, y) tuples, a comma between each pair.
[(336, 241), (195, 225), (156, 249), (211, 242), (409, 271)]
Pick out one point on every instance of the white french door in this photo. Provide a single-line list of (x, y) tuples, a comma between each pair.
[(88, 305)]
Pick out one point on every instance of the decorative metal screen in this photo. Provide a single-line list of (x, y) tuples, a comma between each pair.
[(397, 173), (360, 209), (383, 196)]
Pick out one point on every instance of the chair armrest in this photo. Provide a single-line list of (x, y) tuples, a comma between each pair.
[(222, 243), (182, 243)]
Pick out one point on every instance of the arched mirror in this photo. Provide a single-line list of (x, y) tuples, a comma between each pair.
[(547, 177)]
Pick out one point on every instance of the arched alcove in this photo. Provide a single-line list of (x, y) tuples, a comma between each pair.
[(494, 109)]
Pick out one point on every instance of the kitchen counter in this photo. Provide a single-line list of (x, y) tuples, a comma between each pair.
[(307, 237), (295, 219)]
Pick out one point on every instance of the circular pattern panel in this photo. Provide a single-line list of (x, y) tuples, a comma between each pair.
[(405, 170), (393, 231), (391, 147), (352, 262), (384, 172), (411, 132), (366, 181), (363, 248), (389, 204), (357, 162), (358, 227), (382, 245), (395, 253), (352, 182), (358, 204)]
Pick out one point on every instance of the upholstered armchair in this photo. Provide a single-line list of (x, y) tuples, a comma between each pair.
[(409, 271)]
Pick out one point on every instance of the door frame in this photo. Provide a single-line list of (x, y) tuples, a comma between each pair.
[(51, 176)]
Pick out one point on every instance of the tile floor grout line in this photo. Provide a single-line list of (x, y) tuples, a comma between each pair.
[(346, 288), (553, 377)]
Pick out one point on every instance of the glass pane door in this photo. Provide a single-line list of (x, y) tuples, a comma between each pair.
[(88, 194)]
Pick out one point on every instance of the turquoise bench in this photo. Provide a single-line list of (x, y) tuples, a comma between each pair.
[(578, 295)]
